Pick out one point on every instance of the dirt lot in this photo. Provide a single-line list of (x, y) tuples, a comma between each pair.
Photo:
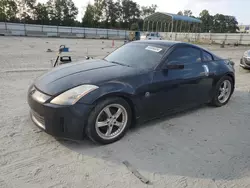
[(206, 147)]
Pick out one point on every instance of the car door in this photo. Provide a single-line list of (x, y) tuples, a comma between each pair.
[(180, 81), (212, 67)]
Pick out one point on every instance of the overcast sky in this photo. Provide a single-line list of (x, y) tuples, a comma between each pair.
[(237, 8)]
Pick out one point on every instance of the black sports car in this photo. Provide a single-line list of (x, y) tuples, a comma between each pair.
[(245, 60), (139, 81)]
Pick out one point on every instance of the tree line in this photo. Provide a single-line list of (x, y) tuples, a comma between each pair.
[(117, 14)]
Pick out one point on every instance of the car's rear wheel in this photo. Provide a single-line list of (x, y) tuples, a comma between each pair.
[(109, 120), (223, 92)]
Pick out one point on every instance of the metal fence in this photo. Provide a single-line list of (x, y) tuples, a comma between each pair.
[(17, 29), (218, 38)]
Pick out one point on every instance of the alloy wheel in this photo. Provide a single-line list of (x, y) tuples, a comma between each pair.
[(224, 91), (111, 121)]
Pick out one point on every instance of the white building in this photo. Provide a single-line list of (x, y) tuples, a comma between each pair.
[(244, 28)]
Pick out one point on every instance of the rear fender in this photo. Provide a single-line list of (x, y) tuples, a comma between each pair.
[(218, 78)]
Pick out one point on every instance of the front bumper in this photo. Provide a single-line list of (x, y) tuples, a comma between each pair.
[(60, 121), (244, 64)]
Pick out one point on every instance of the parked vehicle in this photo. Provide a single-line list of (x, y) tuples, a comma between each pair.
[(139, 81), (153, 36), (245, 60)]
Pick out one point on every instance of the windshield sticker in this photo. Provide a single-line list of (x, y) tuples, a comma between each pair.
[(154, 49)]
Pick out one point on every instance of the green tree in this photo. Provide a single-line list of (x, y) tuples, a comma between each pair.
[(219, 24), (26, 10), (188, 13), (70, 11), (119, 14), (180, 13), (99, 6), (115, 13), (130, 12), (41, 14), (147, 10), (8, 10), (207, 21), (134, 27), (110, 13), (88, 19), (62, 12), (232, 24)]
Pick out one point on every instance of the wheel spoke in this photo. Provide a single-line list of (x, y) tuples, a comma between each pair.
[(225, 91), (109, 131), (102, 124), (221, 96), (118, 124), (225, 85), (107, 111), (118, 113)]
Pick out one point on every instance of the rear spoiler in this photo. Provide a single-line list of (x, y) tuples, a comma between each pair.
[(228, 61)]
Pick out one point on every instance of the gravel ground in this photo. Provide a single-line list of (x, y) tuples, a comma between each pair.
[(206, 147)]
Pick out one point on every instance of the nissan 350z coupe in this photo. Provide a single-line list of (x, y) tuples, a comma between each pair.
[(139, 81)]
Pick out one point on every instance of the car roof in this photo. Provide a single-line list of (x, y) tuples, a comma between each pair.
[(167, 43)]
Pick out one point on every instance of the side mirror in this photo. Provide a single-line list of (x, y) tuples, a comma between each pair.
[(176, 66), (173, 65)]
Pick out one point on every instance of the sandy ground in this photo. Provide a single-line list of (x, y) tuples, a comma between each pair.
[(206, 147)]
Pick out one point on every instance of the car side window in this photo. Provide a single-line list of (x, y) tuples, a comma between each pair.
[(185, 55), (207, 56)]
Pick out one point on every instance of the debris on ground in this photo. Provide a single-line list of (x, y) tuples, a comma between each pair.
[(49, 50), (12, 134), (236, 44), (223, 44), (37, 171), (136, 173)]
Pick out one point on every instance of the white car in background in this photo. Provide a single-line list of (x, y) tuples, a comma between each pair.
[(153, 36)]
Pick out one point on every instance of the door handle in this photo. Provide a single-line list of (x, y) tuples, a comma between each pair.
[(206, 70)]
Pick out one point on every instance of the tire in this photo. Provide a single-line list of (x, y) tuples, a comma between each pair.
[(97, 134), (215, 101), (243, 67)]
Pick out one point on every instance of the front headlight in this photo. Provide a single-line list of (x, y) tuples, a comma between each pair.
[(71, 96)]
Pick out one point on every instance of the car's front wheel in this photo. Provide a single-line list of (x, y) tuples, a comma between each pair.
[(223, 91), (109, 120)]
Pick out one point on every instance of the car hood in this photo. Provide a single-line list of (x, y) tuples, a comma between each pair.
[(70, 75)]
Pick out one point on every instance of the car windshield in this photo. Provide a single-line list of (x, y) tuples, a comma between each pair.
[(139, 55)]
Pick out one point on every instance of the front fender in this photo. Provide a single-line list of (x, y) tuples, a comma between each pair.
[(111, 88)]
